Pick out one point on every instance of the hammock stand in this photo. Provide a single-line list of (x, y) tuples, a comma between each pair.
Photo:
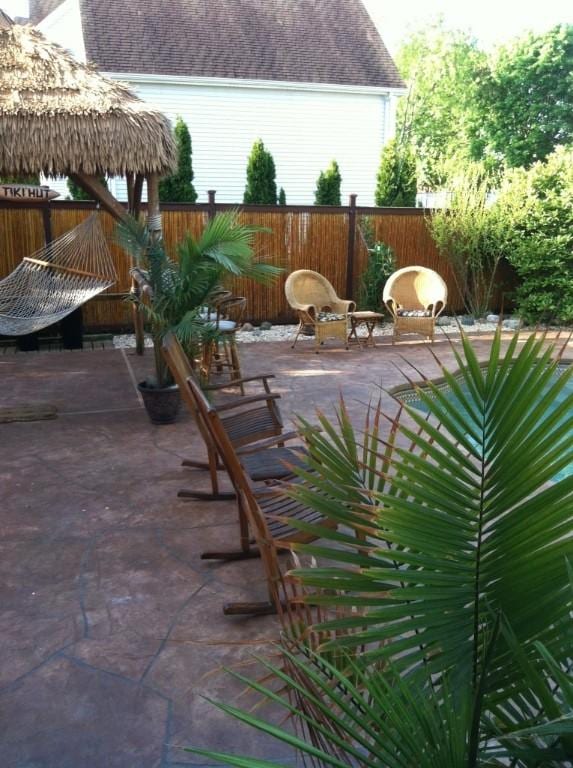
[(56, 280)]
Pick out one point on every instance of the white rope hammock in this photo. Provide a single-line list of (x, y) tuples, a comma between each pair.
[(56, 280)]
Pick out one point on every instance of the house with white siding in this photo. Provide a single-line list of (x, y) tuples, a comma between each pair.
[(311, 78)]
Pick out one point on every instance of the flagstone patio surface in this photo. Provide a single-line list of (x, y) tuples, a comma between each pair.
[(111, 626)]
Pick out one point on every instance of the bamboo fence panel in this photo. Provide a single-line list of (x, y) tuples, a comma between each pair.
[(297, 238), (21, 233), (409, 237)]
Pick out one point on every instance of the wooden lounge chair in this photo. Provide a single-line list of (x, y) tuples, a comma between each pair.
[(317, 305), (264, 512), (244, 426), (415, 297)]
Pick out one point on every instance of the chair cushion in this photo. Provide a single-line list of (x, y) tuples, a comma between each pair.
[(414, 313), (227, 325), (327, 317), (223, 325)]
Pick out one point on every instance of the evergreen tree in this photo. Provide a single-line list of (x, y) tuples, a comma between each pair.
[(178, 188), (282, 197), (261, 186), (328, 186), (396, 178), (79, 193)]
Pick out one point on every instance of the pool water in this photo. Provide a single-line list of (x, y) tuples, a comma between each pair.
[(410, 397)]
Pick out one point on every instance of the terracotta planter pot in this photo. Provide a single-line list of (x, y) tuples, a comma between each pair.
[(162, 405)]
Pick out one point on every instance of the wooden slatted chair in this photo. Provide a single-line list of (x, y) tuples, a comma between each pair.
[(264, 513), (244, 426)]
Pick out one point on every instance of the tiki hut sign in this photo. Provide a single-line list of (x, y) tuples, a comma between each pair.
[(26, 192)]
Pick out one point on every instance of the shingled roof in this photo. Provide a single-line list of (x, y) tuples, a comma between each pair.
[(317, 41)]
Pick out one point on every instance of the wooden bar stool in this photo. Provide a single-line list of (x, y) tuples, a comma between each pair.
[(222, 353)]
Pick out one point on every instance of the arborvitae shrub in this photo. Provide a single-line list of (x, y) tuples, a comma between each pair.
[(261, 186)]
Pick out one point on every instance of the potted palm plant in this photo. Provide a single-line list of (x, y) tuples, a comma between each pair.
[(178, 290)]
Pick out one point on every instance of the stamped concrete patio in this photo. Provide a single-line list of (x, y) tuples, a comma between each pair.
[(111, 625)]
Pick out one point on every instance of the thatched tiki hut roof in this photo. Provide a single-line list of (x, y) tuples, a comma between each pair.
[(61, 117)]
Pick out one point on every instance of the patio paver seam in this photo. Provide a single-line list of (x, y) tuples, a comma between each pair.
[(170, 628)]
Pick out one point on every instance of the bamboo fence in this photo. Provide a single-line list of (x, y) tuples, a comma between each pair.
[(325, 239)]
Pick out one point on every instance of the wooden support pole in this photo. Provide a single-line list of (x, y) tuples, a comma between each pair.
[(137, 318), (138, 288), (351, 247), (153, 212), (137, 191), (129, 179), (96, 189)]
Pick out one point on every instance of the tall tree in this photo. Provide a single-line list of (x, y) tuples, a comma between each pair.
[(328, 186), (527, 99), (178, 188), (396, 183), (261, 186), (443, 69)]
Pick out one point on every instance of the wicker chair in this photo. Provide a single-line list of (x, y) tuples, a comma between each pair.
[(415, 297), (310, 294)]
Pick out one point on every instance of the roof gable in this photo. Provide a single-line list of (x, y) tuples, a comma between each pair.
[(320, 41)]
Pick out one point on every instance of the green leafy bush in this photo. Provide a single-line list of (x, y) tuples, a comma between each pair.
[(469, 234), (328, 186), (381, 264), (178, 188), (261, 186), (535, 211), (396, 183), (32, 179), (282, 197)]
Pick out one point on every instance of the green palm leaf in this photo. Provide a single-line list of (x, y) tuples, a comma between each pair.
[(446, 520)]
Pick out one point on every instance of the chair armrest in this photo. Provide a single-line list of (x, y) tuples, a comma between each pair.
[(233, 382), (391, 307), (268, 443), (267, 397), (343, 306), (310, 310)]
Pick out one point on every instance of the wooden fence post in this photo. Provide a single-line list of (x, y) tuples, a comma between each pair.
[(351, 247), (211, 202)]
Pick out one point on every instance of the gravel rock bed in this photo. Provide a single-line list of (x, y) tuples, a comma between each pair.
[(447, 325)]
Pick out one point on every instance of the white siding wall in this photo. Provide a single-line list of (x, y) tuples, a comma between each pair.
[(304, 131), (64, 27)]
